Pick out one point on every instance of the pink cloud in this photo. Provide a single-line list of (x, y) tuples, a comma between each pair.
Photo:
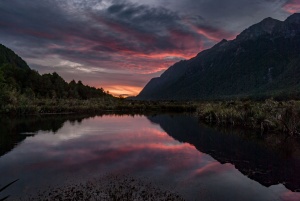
[(292, 6), (212, 168), (290, 196), (211, 33)]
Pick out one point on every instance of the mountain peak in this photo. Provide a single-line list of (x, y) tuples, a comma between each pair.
[(261, 62), (220, 43), (266, 26), (294, 18), (268, 19)]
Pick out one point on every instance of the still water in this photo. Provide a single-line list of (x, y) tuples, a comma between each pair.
[(173, 151)]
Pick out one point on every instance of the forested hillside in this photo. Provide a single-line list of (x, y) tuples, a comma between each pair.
[(19, 83)]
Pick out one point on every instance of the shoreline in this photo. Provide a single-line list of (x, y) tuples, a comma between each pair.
[(267, 116)]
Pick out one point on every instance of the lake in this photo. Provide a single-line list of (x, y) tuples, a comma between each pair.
[(173, 152)]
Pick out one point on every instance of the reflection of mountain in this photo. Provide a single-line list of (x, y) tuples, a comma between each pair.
[(14, 131), (250, 157)]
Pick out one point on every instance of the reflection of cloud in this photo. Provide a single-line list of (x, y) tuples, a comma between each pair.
[(125, 145), (131, 147), (212, 168), (290, 196)]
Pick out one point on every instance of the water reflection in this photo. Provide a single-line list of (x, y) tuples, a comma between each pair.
[(79, 149), (15, 130), (269, 165)]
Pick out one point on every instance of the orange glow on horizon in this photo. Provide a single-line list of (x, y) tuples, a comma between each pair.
[(159, 61), (123, 90)]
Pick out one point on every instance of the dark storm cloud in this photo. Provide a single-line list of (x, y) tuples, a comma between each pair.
[(122, 28), (144, 30), (233, 15)]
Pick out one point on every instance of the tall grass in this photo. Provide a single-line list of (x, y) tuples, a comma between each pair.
[(23, 105), (5, 187), (267, 116)]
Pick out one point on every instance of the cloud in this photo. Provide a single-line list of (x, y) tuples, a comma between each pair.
[(292, 6), (106, 37), (211, 169), (122, 29), (290, 196)]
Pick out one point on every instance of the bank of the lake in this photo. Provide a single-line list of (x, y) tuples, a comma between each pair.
[(264, 116), (92, 106)]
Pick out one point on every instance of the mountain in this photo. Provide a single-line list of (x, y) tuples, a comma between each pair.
[(263, 61), (7, 56)]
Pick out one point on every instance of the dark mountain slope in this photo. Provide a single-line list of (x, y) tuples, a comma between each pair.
[(7, 56), (262, 61)]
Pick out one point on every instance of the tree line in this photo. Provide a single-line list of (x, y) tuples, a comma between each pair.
[(16, 81)]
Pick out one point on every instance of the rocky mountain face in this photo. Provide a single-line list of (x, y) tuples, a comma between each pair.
[(263, 61)]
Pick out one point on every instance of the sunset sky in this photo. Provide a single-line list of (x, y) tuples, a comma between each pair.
[(121, 44)]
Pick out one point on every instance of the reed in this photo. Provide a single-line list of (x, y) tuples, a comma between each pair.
[(5, 187), (267, 116)]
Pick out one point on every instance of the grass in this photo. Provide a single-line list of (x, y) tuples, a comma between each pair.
[(5, 187), (267, 116), (25, 106)]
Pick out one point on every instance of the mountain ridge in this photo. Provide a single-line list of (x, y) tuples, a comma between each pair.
[(7, 56), (261, 62)]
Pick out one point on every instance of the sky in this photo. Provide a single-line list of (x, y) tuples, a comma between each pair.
[(120, 45)]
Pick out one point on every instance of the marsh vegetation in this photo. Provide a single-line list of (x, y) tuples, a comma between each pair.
[(267, 116)]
